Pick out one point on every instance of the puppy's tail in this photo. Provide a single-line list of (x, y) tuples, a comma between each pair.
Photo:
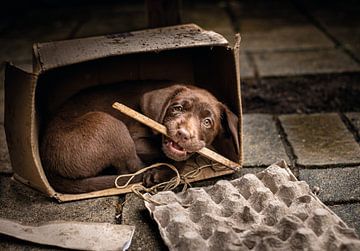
[(74, 186)]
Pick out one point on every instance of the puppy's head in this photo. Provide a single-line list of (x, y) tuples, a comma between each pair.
[(193, 117)]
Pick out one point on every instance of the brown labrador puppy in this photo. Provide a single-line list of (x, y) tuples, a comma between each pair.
[(86, 136)]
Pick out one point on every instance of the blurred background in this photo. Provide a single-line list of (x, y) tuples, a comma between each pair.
[(296, 55)]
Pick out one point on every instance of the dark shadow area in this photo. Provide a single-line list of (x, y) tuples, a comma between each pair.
[(303, 94)]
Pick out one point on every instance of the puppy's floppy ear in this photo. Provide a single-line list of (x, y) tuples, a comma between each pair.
[(155, 103), (227, 140)]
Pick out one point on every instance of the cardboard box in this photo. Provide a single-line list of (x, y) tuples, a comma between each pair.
[(184, 53)]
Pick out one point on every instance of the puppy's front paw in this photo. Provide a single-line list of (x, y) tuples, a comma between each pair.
[(151, 178), (156, 176)]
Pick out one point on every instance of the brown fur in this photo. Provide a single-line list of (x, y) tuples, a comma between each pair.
[(86, 136)]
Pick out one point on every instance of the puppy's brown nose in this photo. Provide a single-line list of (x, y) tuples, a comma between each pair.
[(183, 134)]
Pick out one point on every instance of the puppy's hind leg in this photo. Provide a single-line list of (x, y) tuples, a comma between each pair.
[(112, 144), (76, 150), (122, 149)]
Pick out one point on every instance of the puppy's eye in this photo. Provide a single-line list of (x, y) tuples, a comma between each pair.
[(207, 123), (177, 108)]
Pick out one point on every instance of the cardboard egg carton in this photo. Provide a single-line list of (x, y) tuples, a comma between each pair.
[(271, 210)]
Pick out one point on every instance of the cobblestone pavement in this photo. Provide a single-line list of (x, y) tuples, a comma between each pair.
[(300, 71)]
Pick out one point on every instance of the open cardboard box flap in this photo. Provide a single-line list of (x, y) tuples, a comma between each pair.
[(54, 54), (184, 53)]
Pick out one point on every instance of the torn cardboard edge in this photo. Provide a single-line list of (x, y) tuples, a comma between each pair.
[(49, 55), (201, 51), (71, 234)]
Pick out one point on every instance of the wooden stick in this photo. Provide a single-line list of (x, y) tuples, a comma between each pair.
[(206, 152)]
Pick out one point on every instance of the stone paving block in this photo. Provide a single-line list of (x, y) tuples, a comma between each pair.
[(304, 62), (350, 213), (107, 22), (320, 139), (15, 50), (336, 6), (203, 15), (354, 49), (261, 141), (260, 9), (336, 184), (28, 206), (346, 33), (146, 236), (130, 5), (246, 70), (341, 20), (267, 23), (42, 24), (285, 37), (5, 165), (354, 118)]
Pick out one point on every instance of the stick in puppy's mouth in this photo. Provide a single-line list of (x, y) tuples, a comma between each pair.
[(206, 152)]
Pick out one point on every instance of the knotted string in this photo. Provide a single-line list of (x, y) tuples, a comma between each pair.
[(145, 193)]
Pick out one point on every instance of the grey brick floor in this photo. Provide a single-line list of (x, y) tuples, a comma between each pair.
[(292, 47)]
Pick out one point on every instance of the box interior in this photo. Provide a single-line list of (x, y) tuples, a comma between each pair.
[(206, 67)]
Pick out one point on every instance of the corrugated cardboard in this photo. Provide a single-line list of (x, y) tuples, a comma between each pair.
[(184, 53)]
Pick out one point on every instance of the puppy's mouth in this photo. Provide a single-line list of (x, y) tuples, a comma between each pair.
[(173, 150), (173, 146)]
